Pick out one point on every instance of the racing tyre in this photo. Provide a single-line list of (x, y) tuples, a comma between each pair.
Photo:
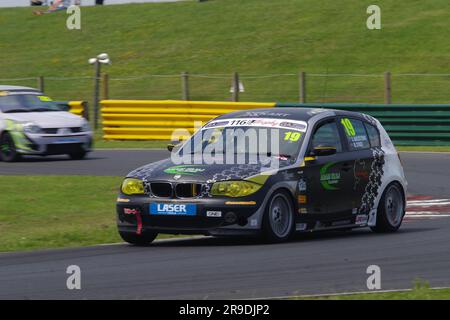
[(8, 151), (143, 239), (78, 155), (391, 210), (278, 221)]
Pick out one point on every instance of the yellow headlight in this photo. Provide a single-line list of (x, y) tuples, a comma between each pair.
[(132, 186), (234, 189)]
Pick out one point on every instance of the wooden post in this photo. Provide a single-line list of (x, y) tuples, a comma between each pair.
[(387, 88), (235, 96), (185, 85), (85, 110), (302, 87), (105, 82), (41, 84)]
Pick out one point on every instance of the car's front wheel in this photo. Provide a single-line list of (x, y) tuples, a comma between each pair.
[(143, 239), (8, 151), (278, 221), (391, 209)]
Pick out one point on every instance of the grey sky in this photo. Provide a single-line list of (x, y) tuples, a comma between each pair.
[(24, 3)]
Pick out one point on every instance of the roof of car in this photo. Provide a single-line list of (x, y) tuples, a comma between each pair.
[(17, 88), (292, 113)]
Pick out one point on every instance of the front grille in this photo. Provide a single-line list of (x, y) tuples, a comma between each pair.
[(55, 130), (54, 149), (161, 189), (179, 190), (188, 190)]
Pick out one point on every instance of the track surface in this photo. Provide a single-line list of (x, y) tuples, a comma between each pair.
[(217, 268), (211, 268), (427, 173)]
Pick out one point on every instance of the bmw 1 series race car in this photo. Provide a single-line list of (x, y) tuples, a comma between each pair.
[(32, 124), (269, 172)]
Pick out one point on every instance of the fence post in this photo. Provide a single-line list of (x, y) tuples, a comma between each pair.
[(85, 110), (41, 83), (387, 88), (185, 85), (105, 82), (235, 96), (302, 87), (96, 92)]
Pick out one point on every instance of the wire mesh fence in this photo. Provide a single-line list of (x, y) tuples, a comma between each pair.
[(287, 87)]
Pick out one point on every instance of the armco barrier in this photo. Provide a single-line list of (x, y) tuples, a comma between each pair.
[(407, 125), (79, 108), (157, 119)]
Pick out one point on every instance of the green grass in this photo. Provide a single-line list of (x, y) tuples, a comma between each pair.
[(222, 36), (421, 291), (40, 212)]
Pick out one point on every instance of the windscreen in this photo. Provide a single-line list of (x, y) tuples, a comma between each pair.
[(248, 140), (11, 103)]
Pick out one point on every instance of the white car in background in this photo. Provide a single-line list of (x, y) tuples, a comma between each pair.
[(32, 124)]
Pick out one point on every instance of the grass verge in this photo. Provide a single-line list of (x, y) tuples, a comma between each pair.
[(40, 212), (421, 291)]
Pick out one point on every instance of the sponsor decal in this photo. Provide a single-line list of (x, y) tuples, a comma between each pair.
[(302, 199), (130, 211), (44, 98), (361, 219), (300, 226), (259, 122), (328, 180), (184, 169), (302, 185), (173, 209), (214, 214), (123, 200), (253, 222)]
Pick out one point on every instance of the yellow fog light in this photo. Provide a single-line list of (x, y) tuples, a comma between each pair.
[(132, 186), (234, 189)]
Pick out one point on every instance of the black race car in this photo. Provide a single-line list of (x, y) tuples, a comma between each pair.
[(269, 172)]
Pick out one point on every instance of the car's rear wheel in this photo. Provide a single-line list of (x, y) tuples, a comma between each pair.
[(8, 151), (143, 239), (278, 221), (391, 209), (78, 155)]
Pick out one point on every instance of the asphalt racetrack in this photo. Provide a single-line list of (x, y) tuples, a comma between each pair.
[(209, 268)]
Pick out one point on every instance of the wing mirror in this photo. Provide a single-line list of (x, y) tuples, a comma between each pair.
[(323, 151)]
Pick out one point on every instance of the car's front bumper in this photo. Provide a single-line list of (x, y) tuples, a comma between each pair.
[(36, 144), (237, 216)]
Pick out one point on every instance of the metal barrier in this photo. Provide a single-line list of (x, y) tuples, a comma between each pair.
[(407, 125), (157, 119), (79, 108)]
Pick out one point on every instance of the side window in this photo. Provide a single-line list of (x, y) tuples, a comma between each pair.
[(327, 135), (356, 134), (374, 135)]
